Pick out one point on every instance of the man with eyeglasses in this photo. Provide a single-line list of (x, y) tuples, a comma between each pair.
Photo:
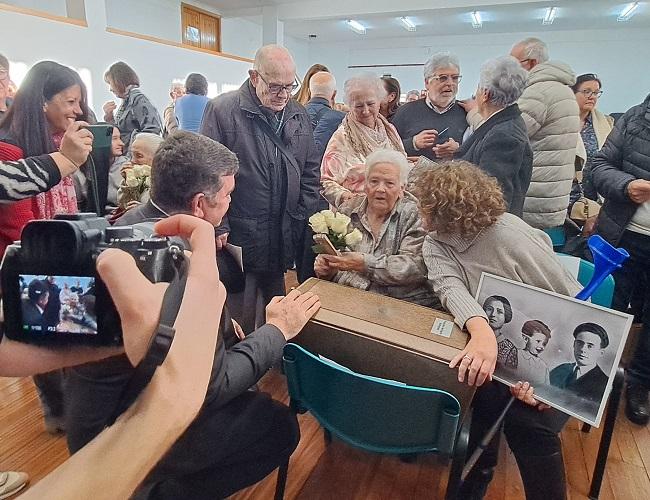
[(278, 184), (434, 126), (549, 109)]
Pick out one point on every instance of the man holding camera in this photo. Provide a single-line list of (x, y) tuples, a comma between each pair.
[(240, 435)]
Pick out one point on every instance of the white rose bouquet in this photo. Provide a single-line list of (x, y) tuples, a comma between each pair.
[(136, 181), (336, 227)]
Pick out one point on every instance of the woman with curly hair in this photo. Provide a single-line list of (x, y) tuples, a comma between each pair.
[(470, 233)]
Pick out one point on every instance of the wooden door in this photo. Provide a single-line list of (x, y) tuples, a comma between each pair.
[(200, 28), (191, 27)]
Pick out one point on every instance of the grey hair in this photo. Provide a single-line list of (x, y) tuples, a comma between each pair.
[(151, 141), (413, 92), (325, 88), (504, 80), (365, 81), (534, 48), (389, 156), (440, 60), (187, 164)]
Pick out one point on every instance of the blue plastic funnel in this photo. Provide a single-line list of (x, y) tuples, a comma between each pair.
[(606, 260)]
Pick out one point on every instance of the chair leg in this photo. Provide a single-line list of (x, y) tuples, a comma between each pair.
[(606, 437), (458, 460), (281, 483)]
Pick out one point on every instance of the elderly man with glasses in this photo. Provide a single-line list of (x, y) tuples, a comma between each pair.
[(278, 181), (434, 126)]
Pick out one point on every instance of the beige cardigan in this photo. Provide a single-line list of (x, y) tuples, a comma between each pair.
[(603, 125), (508, 248)]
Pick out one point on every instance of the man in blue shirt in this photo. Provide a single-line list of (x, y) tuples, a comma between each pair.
[(189, 108)]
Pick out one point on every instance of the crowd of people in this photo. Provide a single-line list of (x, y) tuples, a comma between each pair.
[(441, 191)]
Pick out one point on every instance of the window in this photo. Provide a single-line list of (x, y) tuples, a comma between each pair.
[(200, 28)]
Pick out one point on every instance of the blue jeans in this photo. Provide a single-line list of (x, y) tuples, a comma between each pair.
[(631, 285)]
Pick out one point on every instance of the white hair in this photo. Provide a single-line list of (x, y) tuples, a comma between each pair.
[(363, 81), (271, 55), (534, 48), (440, 60), (504, 79), (325, 88), (151, 141), (389, 156), (413, 92)]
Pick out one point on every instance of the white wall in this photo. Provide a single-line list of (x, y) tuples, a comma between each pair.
[(618, 56), (56, 7), (92, 49)]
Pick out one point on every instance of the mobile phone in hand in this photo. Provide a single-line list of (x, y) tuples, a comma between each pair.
[(443, 136), (324, 242), (102, 135)]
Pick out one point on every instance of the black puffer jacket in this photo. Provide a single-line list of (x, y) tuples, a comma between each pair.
[(266, 179), (624, 157)]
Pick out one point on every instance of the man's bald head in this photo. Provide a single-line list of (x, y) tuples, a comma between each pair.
[(273, 76), (270, 60), (323, 84)]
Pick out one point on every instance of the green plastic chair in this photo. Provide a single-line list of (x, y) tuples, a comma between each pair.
[(375, 414), (557, 235)]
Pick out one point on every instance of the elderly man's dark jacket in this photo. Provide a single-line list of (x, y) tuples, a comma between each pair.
[(237, 120), (500, 147), (624, 157)]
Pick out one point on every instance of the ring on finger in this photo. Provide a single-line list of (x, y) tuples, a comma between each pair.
[(468, 358)]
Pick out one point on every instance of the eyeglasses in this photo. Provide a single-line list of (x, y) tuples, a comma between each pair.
[(589, 93), (4, 73), (446, 78), (277, 89)]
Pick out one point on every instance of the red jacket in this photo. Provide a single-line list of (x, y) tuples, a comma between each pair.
[(13, 216)]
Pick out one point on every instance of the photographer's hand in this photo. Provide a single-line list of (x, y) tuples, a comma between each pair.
[(144, 433)]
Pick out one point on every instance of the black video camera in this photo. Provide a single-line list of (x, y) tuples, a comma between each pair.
[(52, 294)]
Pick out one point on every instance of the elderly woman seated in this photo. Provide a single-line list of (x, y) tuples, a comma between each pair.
[(470, 233), (500, 145), (388, 260), (362, 131), (143, 149)]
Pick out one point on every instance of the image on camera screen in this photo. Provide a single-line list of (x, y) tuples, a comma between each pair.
[(58, 304)]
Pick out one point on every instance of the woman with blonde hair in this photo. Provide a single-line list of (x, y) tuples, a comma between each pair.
[(470, 233), (362, 131)]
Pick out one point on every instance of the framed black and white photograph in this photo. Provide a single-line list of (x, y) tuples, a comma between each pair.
[(566, 348)]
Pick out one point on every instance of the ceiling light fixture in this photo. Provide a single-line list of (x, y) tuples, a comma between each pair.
[(628, 12), (356, 26), (477, 22), (407, 23), (550, 16)]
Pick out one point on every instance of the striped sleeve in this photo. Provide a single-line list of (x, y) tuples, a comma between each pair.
[(26, 178)]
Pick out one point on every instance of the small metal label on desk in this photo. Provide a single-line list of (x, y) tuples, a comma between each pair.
[(442, 327)]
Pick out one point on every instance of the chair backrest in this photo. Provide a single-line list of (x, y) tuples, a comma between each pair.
[(605, 292), (367, 412), (557, 235)]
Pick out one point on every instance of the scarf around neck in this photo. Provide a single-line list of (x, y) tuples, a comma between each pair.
[(365, 140)]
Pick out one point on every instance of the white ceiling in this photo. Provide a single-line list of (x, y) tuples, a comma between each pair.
[(326, 19)]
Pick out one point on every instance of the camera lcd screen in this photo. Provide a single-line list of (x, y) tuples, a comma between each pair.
[(58, 304)]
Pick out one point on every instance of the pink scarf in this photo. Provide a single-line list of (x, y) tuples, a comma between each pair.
[(61, 199)]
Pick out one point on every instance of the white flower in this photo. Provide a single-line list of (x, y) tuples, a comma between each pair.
[(137, 171), (318, 224), (131, 180), (329, 216), (146, 170), (354, 238), (340, 224)]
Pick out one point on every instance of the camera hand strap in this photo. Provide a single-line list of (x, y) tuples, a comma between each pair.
[(160, 342)]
